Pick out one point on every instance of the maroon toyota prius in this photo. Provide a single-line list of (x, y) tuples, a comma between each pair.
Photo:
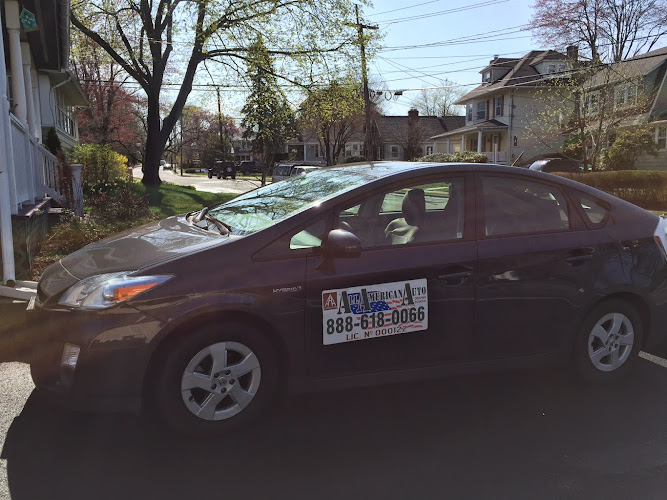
[(363, 274)]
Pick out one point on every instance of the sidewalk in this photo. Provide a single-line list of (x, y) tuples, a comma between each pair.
[(14, 330)]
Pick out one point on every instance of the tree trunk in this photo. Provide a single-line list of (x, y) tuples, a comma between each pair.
[(155, 143)]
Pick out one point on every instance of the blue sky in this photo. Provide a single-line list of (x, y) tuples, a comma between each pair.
[(465, 35)]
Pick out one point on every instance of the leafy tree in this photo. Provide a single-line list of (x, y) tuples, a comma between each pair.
[(609, 29), (440, 101), (144, 38), (268, 119), (199, 135), (114, 115), (332, 115), (629, 146)]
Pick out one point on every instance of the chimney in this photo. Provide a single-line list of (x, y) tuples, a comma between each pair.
[(413, 116), (572, 52)]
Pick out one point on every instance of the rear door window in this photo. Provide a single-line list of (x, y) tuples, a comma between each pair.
[(516, 206)]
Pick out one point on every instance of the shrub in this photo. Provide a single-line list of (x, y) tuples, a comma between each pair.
[(355, 159), (117, 204), (463, 157), (100, 164), (644, 188), (628, 146)]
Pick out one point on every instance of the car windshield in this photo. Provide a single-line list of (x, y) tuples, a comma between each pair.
[(266, 206)]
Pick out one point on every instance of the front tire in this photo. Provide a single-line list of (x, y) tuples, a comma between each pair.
[(215, 379), (609, 342), (210, 175)]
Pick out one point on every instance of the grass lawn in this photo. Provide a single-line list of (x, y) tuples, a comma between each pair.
[(171, 199)]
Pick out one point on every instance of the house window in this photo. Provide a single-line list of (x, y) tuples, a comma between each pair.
[(515, 142), (552, 68), (469, 108), (625, 95), (429, 150), (592, 102), (499, 105), (661, 137), (64, 114), (486, 77), (394, 151), (481, 110)]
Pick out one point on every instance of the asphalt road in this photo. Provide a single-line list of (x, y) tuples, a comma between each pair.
[(519, 435), (203, 183)]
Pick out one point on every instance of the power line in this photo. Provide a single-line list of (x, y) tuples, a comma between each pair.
[(417, 17)]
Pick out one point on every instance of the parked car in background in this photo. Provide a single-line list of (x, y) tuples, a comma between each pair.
[(352, 275), (222, 169), (165, 165), (299, 170), (284, 170), (549, 165), (247, 167)]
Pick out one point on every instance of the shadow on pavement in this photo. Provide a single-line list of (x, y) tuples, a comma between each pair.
[(520, 435)]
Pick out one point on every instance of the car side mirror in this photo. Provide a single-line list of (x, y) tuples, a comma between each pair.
[(340, 244)]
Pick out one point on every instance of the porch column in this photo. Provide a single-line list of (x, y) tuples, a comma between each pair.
[(36, 104), (463, 143), (27, 78), (6, 168), (447, 151), (304, 151), (14, 35), (479, 141)]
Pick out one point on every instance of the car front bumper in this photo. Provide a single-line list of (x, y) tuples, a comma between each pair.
[(108, 374)]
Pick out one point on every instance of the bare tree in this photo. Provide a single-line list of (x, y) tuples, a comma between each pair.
[(609, 30), (439, 101)]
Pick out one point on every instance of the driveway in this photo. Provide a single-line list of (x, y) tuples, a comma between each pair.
[(518, 435), (202, 183)]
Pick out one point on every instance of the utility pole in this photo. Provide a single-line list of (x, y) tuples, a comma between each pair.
[(368, 152), (222, 149)]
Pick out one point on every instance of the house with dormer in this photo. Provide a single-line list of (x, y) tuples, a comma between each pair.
[(499, 111), (633, 93)]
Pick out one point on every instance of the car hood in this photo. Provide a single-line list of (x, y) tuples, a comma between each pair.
[(130, 250)]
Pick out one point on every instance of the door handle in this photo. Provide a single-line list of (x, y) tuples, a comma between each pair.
[(453, 276), (580, 255)]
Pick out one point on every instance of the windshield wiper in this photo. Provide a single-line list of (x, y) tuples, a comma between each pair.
[(222, 227)]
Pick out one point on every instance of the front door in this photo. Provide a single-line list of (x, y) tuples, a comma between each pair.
[(408, 300)]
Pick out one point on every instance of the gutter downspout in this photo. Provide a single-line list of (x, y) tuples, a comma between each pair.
[(6, 237)]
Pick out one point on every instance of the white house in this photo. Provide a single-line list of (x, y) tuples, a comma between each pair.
[(37, 91), (499, 111)]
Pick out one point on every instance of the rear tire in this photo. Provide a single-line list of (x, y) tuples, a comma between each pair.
[(608, 342), (215, 379), (210, 175)]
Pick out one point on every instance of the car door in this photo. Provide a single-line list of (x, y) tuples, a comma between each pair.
[(400, 304), (536, 266)]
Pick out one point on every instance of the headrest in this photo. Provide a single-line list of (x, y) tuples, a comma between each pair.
[(414, 207)]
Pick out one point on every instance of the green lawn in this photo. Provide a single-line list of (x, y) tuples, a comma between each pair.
[(171, 199)]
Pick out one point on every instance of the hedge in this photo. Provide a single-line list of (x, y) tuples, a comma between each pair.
[(645, 188)]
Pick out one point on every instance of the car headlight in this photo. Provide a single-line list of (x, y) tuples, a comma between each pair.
[(107, 290)]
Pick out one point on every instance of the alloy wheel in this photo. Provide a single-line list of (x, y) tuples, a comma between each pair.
[(220, 380)]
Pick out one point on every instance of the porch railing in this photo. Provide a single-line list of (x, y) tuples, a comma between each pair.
[(35, 169)]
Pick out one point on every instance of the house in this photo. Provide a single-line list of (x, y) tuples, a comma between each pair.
[(394, 138), (499, 111), (37, 92), (635, 93)]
